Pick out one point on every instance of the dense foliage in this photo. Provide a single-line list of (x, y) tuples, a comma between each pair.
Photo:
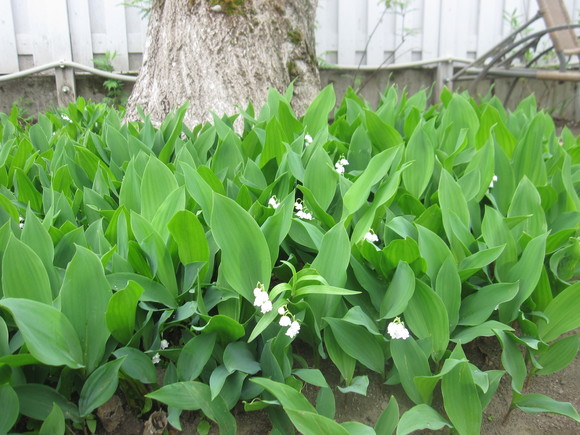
[(384, 240)]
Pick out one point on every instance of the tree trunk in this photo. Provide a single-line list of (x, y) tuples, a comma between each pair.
[(218, 60)]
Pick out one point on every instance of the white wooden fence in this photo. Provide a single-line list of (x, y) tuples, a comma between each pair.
[(35, 32)]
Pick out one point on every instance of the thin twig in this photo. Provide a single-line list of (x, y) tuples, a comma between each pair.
[(365, 51)]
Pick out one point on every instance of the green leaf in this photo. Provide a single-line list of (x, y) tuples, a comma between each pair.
[(535, 403), (343, 361), (152, 290), (420, 151), (448, 287), (49, 335), (273, 146), (312, 376), (558, 355), (99, 386), (157, 184), (286, 395), (512, 360), (194, 356), (321, 178), (399, 292), (433, 250), (452, 202), (238, 356), (427, 318), (137, 365), (316, 117), (121, 312), (188, 233), (312, 422), (359, 385), (358, 193), (23, 274), (194, 395), (84, 302), (527, 271), (10, 409), (54, 423), (461, 399), (382, 135), (478, 261), (389, 418), (36, 402), (421, 417), (359, 343), (563, 313), (478, 306), (410, 361), (528, 155), (245, 253), (334, 255), (486, 329), (325, 402)]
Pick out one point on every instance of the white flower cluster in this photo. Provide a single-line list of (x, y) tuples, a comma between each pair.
[(156, 358), (370, 236), (307, 140), (21, 222), (261, 299), (396, 329), (273, 202), (493, 180), (301, 211), (164, 344), (286, 320), (342, 162)]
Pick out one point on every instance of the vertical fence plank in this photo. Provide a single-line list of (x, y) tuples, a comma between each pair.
[(375, 50), (116, 29), (327, 31), (346, 39), (80, 32), (430, 30), (8, 53)]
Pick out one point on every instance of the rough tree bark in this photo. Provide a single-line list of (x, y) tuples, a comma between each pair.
[(217, 60)]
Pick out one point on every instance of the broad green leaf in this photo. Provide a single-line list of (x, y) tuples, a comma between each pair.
[(157, 184), (427, 318), (558, 355), (452, 201), (226, 328), (527, 271), (312, 376), (121, 312), (54, 423), (316, 117), (152, 290), (399, 292), (357, 428), (448, 287), (137, 365), (389, 418), (49, 335), (194, 356), (527, 202), (459, 115), (27, 193), (478, 306), (433, 250), (534, 403), (312, 422), (528, 155), (486, 329), (36, 402), (358, 343), (84, 302), (285, 394), (382, 135), (359, 385), (420, 151), (563, 313), (238, 356), (461, 399), (175, 202), (23, 274), (410, 361), (325, 402), (343, 361), (512, 360), (273, 146), (188, 233), (321, 178), (478, 261), (10, 409), (245, 253), (358, 193), (334, 255), (420, 417), (99, 386)]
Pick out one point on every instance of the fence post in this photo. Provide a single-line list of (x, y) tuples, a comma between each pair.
[(443, 75), (66, 91)]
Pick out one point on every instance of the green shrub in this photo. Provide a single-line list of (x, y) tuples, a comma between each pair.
[(385, 240)]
